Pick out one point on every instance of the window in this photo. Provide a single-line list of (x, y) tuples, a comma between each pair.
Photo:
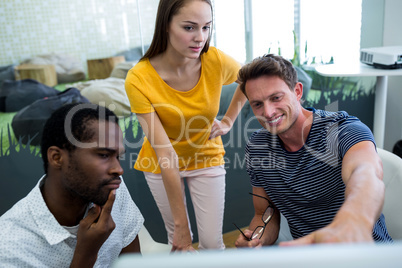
[(331, 29), (273, 24), (246, 29), (229, 28)]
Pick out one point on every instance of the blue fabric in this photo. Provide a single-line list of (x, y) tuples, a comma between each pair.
[(306, 186), (28, 123), (15, 95), (7, 73)]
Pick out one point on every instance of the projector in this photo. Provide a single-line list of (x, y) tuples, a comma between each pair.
[(382, 57)]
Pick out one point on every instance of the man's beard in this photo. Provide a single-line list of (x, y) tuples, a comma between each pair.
[(77, 187)]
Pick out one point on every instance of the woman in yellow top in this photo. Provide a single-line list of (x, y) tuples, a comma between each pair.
[(175, 92)]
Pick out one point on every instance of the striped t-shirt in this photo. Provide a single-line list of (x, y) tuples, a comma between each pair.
[(306, 186)]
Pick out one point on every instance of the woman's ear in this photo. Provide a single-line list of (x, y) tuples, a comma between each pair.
[(55, 156)]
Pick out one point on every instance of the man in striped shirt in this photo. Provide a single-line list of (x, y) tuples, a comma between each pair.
[(319, 169)]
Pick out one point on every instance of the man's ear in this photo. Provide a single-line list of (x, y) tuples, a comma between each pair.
[(55, 156), (299, 90)]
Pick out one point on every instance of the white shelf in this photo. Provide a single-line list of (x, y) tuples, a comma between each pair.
[(360, 69)]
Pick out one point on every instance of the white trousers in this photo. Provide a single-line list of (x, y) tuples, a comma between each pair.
[(207, 191)]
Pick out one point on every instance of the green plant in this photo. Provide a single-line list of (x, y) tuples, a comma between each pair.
[(326, 89), (296, 54)]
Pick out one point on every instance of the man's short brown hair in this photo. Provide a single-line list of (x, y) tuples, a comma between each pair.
[(268, 65)]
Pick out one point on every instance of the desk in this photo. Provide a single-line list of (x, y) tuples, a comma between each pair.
[(360, 69), (313, 256)]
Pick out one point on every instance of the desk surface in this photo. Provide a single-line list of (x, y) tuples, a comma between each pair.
[(354, 69), (314, 256), (360, 69)]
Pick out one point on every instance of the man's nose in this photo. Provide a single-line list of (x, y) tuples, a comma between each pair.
[(116, 168), (269, 111)]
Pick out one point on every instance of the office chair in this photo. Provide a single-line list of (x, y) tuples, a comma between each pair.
[(392, 168)]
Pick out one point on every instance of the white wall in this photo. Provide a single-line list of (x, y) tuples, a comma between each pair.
[(86, 29), (393, 37), (381, 26), (372, 23)]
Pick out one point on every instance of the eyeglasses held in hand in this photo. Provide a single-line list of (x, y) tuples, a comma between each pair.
[(266, 217)]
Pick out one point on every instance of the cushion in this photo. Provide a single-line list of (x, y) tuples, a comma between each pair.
[(133, 54), (121, 69), (392, 168), (28, 123), (15, 95), (6, 73), (109, 92)]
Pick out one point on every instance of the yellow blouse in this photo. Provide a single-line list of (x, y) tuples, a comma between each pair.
[(187, 117)]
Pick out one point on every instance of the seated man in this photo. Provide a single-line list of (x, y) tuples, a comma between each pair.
[(80, 213), (319, 169)]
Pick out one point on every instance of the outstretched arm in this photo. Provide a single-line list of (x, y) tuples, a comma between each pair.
[(165, 152), (364, 199)]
